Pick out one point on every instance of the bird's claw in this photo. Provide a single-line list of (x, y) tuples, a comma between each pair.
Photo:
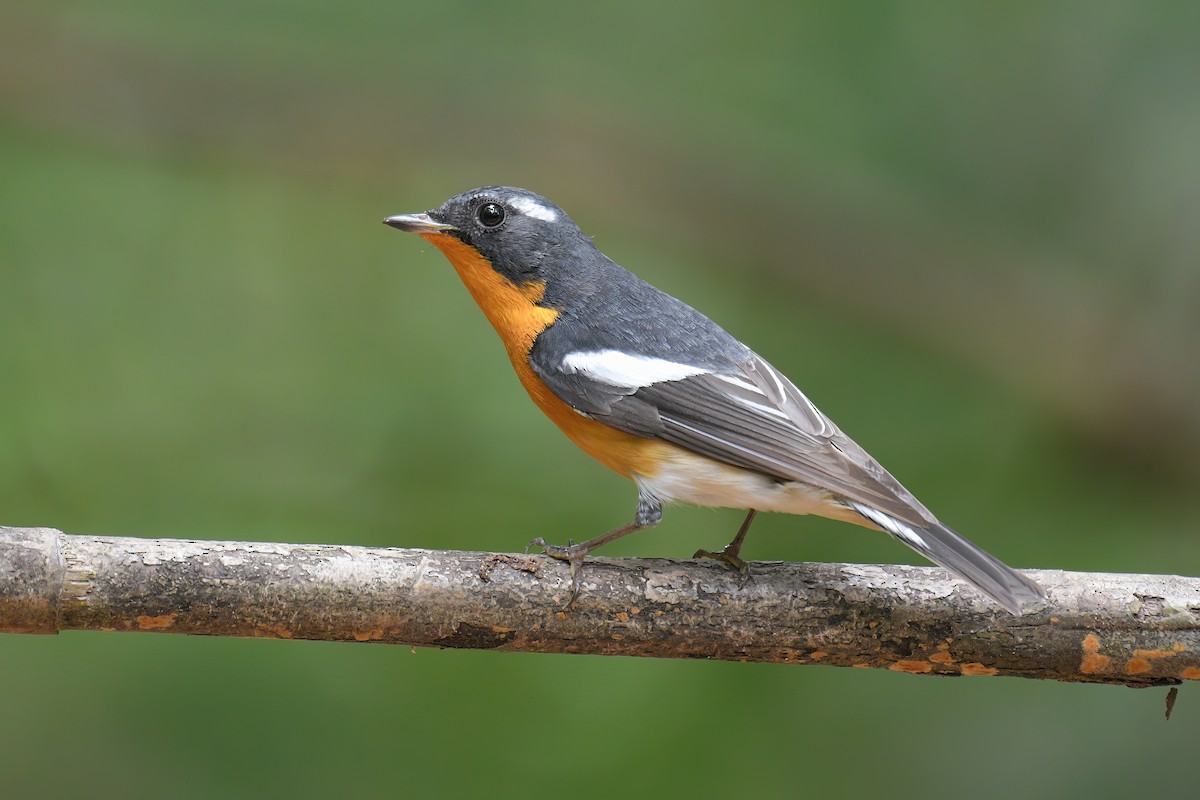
[(730, 558), (573, 554)]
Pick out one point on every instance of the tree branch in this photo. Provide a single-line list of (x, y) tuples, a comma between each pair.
[(1137, 630)]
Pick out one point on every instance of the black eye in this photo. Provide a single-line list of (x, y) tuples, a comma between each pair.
[(490, 214)]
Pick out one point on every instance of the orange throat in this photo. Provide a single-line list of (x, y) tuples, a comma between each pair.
[(515, 313), (513, 310)]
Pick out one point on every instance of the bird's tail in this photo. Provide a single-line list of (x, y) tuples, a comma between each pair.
[(946, 548)]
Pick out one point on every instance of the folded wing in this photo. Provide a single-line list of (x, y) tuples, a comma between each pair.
[(747, 415)]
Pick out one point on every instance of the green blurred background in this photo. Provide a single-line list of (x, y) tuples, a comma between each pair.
[(970, 233)]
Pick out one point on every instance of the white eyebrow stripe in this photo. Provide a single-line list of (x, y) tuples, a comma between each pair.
[(533, 209), (626, 369)]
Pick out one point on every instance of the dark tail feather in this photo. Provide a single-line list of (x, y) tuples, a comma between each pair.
[(946, 548)]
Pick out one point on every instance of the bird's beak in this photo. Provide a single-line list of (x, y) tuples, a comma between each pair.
[(417, 223)]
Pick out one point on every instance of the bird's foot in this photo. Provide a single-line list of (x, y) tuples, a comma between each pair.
[(573, 554), (730, 557)]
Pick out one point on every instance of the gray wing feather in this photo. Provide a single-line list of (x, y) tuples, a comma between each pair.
[(757, 419), (790, 439), (750, 416)]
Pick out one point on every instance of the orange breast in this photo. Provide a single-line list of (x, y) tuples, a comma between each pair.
[(515, 314)]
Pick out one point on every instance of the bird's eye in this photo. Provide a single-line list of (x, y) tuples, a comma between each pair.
[(490, 214)]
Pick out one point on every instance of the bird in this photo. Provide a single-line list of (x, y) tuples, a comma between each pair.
[(659, 393)]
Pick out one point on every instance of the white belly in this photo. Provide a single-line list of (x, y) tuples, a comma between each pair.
[(688, 478)]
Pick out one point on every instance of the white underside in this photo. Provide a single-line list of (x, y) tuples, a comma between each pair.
[(688, 478)]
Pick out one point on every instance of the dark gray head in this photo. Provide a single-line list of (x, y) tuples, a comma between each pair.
[(514, 229)]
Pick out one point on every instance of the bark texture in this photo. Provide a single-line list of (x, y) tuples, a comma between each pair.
[(1137, 630)]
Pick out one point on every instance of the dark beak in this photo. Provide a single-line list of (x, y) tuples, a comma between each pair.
[(417, 223)]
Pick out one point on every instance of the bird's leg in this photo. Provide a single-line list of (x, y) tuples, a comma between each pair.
[(649, 513), (729, 553)]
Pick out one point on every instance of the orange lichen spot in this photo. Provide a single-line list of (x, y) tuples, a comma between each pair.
[(622, 616), (861, 666), (501, 629), (367, 636), (1141, 659), (1093, 662), (1136, 666), (1151, 654), (635, 610), (1191, 674), (1178, 647), (160, 623), (942, 657), (915, 667), (817, 655), (975, 668)]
